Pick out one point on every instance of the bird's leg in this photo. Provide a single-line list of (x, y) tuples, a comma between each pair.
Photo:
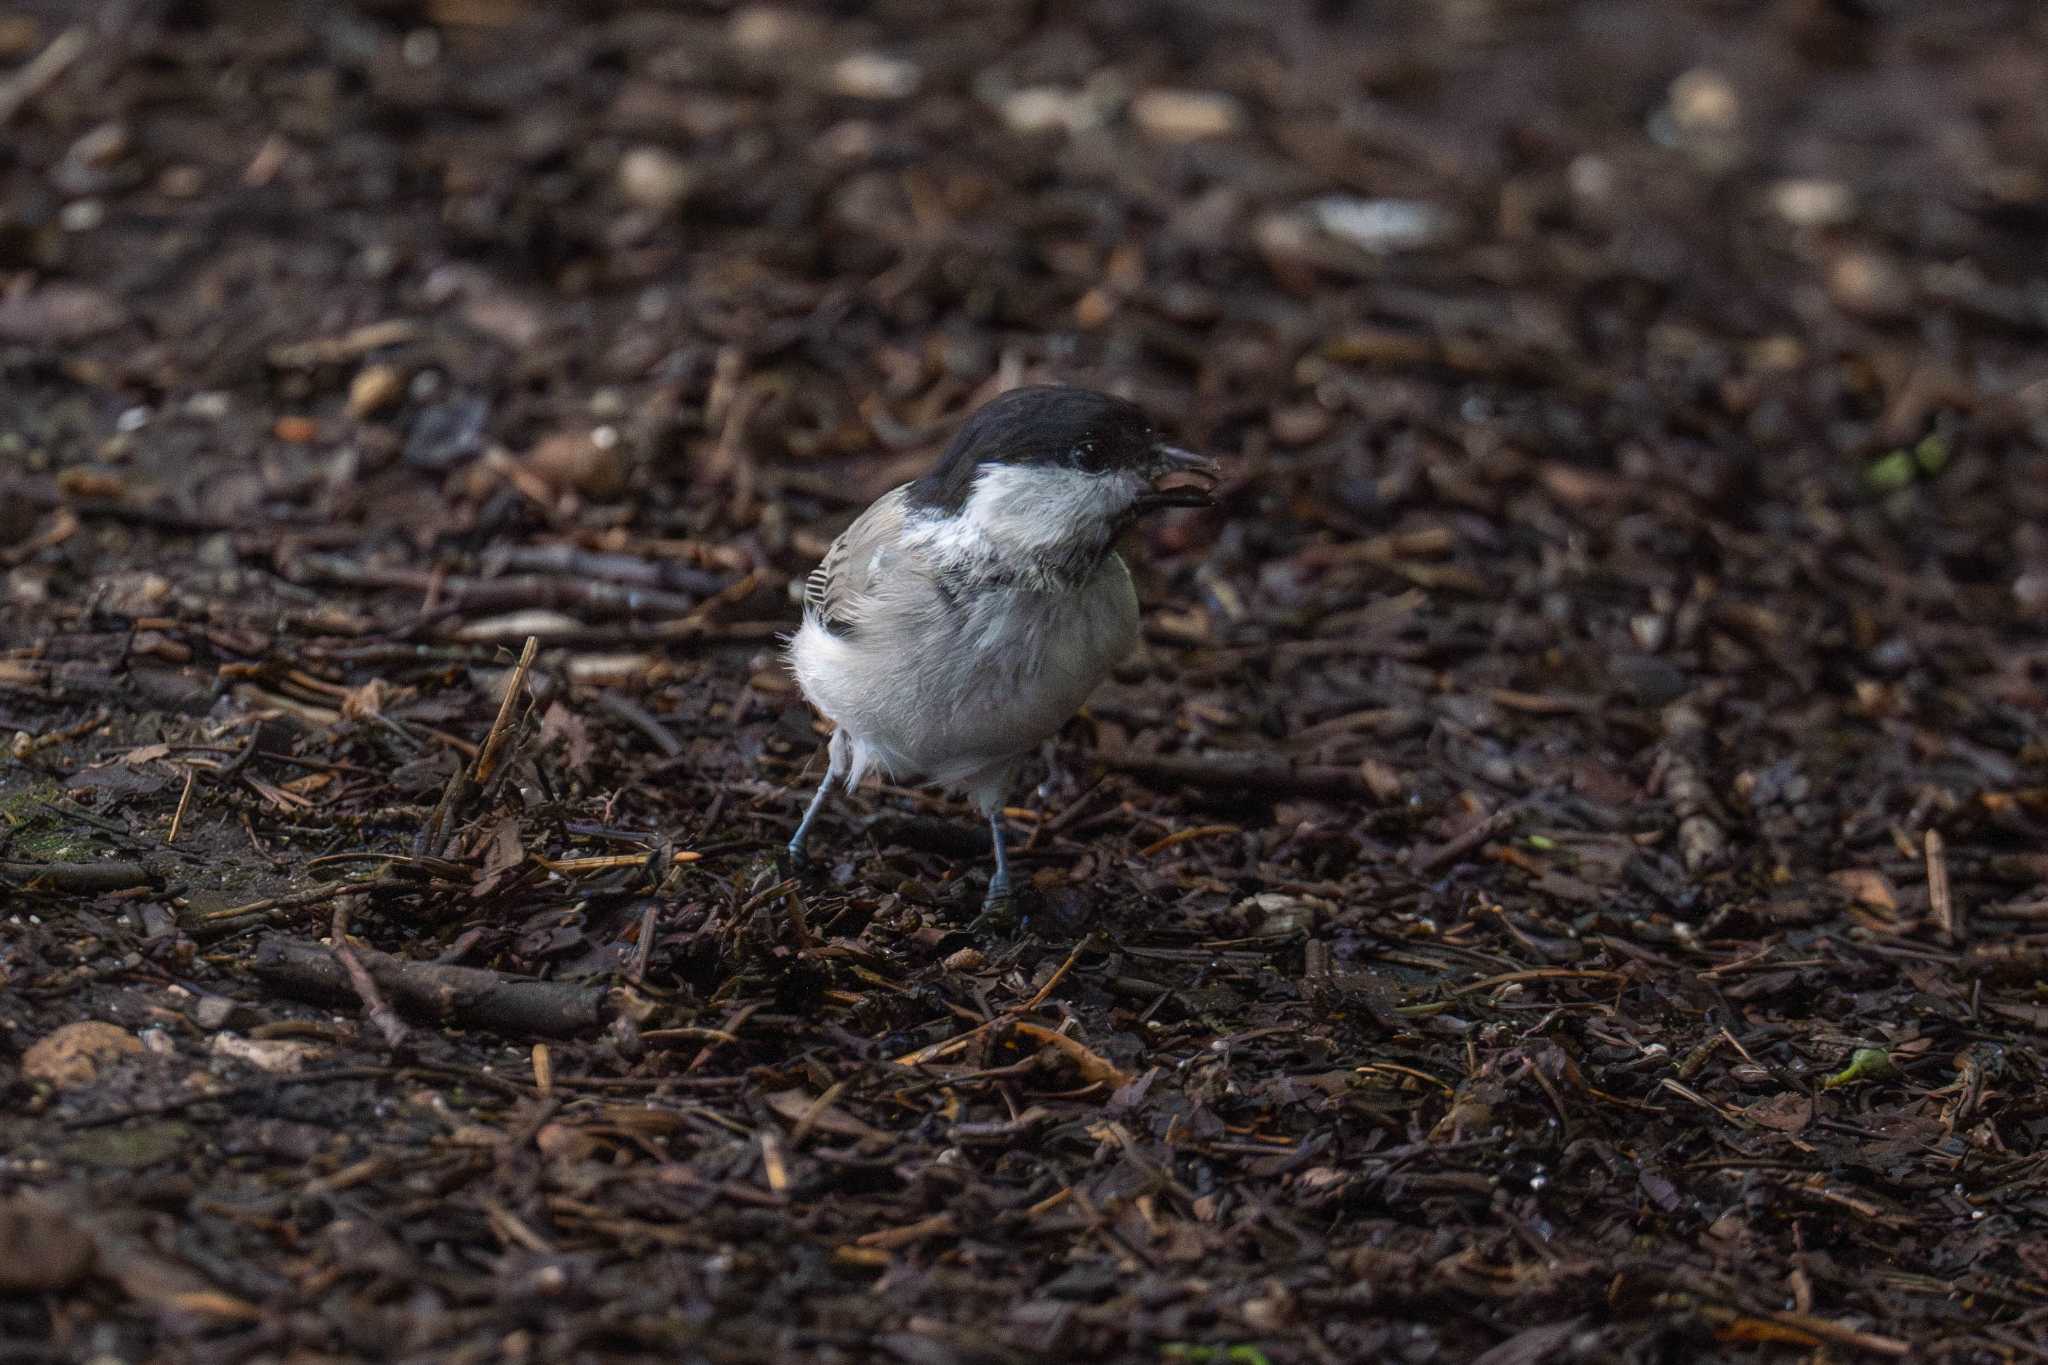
[(835, 769), (797, 857), (995, 913), (999, 884)]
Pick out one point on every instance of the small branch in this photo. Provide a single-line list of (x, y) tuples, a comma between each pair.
[(184, 800), (1500, 822), (86, 878), (1948, 918), (380, 1014), (463, 996), (1244, 772), (21, 89), (487, 761)]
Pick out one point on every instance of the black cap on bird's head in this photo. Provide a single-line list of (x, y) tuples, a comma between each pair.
[(1060, 427)]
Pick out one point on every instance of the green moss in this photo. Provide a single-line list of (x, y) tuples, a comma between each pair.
[(37, 835)]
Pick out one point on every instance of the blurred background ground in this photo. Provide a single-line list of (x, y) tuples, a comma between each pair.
[(1563, 880)]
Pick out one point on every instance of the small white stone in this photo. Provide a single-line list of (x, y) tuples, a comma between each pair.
[(876, 76), (1813, 203), (1591, 178), (769, 28), (655, 178), (1051, 108), (1382, 226), (1703, 102), (1187, 115)]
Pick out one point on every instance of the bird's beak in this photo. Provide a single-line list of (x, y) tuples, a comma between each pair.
[(1180, 478)]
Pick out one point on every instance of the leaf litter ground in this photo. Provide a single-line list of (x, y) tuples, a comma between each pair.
[(1562, 880)]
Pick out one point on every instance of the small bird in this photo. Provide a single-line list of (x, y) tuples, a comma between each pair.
[(964, 616)]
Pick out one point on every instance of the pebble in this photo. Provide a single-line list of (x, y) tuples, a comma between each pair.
[(1813, 203), (375, 388), (1868, 285), (180, 182), (655, 178), (1382, 779), (1187, 115), (1298, 424), (1592, 179), (1703, 102), (580, 460), (876, 76), (1052, 109), (770, 28), (447, 433), (218, 552), (73, 1055), (1382, 226), (82, 215), (214, 1011)]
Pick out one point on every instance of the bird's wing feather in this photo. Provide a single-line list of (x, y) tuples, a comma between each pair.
[(845, 580)]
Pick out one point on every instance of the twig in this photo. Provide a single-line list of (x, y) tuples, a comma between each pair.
[(1842, 1335), (380, 1014), (487, 761), (641, 719), (798, 920), (2028, 911), (643, 946), (215, 921), (1537, 974), (184, 800), (1453, 849), (464, 996), (1244, 772), (25, 746), (1182, 836), (47, 65), (1948, 919), (80, 877)]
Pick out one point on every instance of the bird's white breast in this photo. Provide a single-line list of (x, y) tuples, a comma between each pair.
[(953, 686)]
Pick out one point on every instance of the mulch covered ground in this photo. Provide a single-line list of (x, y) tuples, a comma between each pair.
[(1563, 880)]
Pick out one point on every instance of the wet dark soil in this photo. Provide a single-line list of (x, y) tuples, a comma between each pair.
[(1564, 878)]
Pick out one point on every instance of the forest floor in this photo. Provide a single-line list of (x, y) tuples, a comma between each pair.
[(1563, 879)]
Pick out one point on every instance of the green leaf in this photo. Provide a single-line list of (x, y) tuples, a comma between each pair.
[(1889, 473), (1865, 1064), (1187, 1353), (1931, 454)]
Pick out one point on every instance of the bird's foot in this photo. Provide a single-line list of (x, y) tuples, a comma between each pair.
[(792, 861), (998, 912)]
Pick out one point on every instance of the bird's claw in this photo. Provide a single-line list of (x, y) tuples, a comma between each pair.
[(998, 913)]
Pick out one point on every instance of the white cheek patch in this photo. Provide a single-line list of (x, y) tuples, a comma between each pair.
[(1040, 509)]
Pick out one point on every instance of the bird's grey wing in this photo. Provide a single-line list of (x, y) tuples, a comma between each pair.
[(845, 580)]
